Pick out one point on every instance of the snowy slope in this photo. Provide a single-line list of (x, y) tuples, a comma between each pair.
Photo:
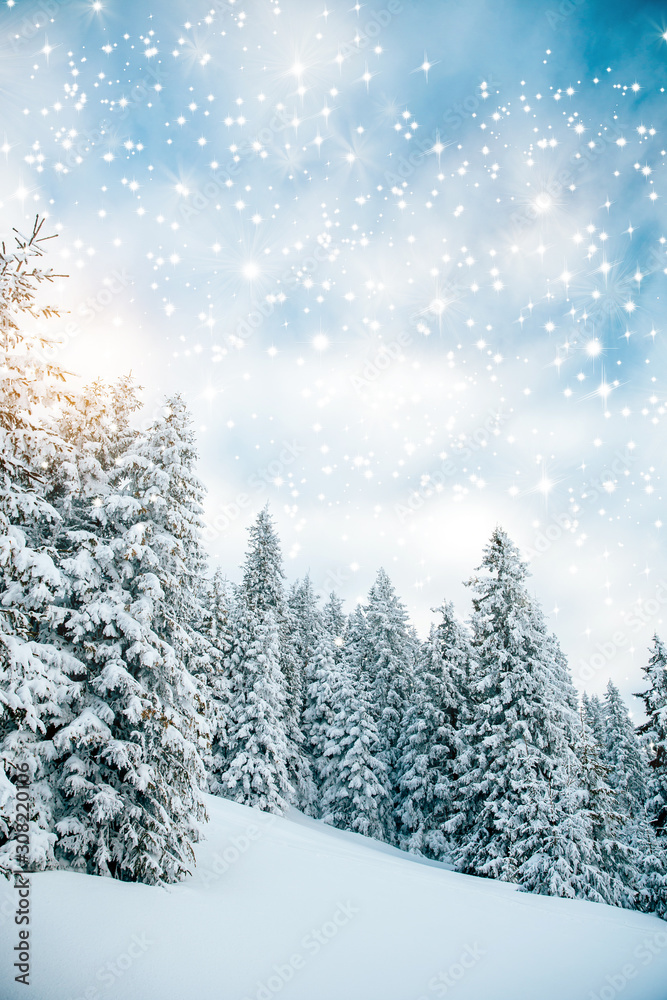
[(291, 908)]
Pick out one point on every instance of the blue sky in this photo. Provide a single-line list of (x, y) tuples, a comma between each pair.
[(405, 260)]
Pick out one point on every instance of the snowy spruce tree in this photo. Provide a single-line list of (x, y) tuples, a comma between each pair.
[(305, 626), (385, 658), (557, 850), (625, 758), (595, 718), (654, 733), (355, 790), (38, 679), (262, 594), (334, 622), (130, 762), (653, 882), (356, 646), (162, 470), (517, 745), (213, 669), (322, 700), (253, 766), (612, 874), (306, 621), (263, 586), (429, 745), (98, 430)]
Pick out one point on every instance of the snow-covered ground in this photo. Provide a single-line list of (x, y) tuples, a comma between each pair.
[(292, 908)]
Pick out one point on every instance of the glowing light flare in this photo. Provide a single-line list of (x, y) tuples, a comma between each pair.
[(320, 342), (543, 203), (437, 306), (604, 389), (545, 485), (250, 270)]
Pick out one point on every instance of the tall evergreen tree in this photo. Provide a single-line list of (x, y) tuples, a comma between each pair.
[(38, 680), (333, 620), (130, 765), (595, 718), (430, 743), (162, 468), (387, 659), (253, 766), (322, 700), (356, 647), (263, 591), (263, 573), (654, 732), (625, 757), (355, 785), (305, 626), (522, 726), (263, 587), (98, 430), (566, 836), (611, 875), (306, 621), (214, 665)]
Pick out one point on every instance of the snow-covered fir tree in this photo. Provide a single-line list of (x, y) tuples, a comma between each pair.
[(569, 838), (263, 586), (356, 647), (595, 718), (213, 667), (651, 839), (611, 872), (429, 745), (522, 726), (38, 679), (625, 757), (161, 467), (334, 621), (253, 766), (263, 591), (322, 699), (385, 659), (654, 733), (130, 764), (306, 620), (98, 430), (305, 626), (354, 783), (555, 850)]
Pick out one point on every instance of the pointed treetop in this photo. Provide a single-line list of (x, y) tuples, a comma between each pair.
[(656, 677), (503, 559), (382, 587), (263, 572), (302, 594), (658, 652), (449, 626), (333, 617), (382, 595)]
